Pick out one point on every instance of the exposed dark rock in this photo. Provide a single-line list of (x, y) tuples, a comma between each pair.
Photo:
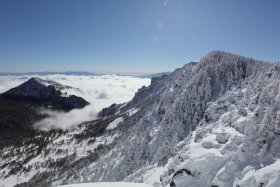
[(182, 172), (111, 110)]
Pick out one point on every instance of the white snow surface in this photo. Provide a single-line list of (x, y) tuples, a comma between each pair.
[(108, 184), (100, 91), (114, 123)]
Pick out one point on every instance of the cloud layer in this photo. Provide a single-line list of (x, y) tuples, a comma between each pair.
[(100, 91)]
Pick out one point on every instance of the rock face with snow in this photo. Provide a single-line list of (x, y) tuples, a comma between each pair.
[(212, 123), (47, 92)]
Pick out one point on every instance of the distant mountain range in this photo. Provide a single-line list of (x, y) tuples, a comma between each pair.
[(81, 73), (76, 73)]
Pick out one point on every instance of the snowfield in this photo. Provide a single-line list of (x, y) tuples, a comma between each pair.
[(108, 184)]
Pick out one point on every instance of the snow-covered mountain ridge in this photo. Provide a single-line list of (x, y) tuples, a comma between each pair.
[(211, 123)]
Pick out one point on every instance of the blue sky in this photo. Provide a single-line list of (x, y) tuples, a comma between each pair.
[(132, 36)]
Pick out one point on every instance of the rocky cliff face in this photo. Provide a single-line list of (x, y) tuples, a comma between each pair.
[(211, 123), (45, 92)]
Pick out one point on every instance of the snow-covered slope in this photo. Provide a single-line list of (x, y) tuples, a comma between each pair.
[(108, 184), (215, 122)]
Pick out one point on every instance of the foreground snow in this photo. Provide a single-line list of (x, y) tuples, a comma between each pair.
[(108, 184)]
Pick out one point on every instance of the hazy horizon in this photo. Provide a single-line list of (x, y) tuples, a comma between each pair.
[(130, 73)]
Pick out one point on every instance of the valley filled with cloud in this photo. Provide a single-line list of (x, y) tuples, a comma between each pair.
[(100, 91)]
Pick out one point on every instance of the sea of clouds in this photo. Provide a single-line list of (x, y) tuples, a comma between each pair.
[(100, 91)]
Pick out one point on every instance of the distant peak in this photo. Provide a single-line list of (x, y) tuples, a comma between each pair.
[(218, 56), (45, 92), (36, 79), (217, 53)]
